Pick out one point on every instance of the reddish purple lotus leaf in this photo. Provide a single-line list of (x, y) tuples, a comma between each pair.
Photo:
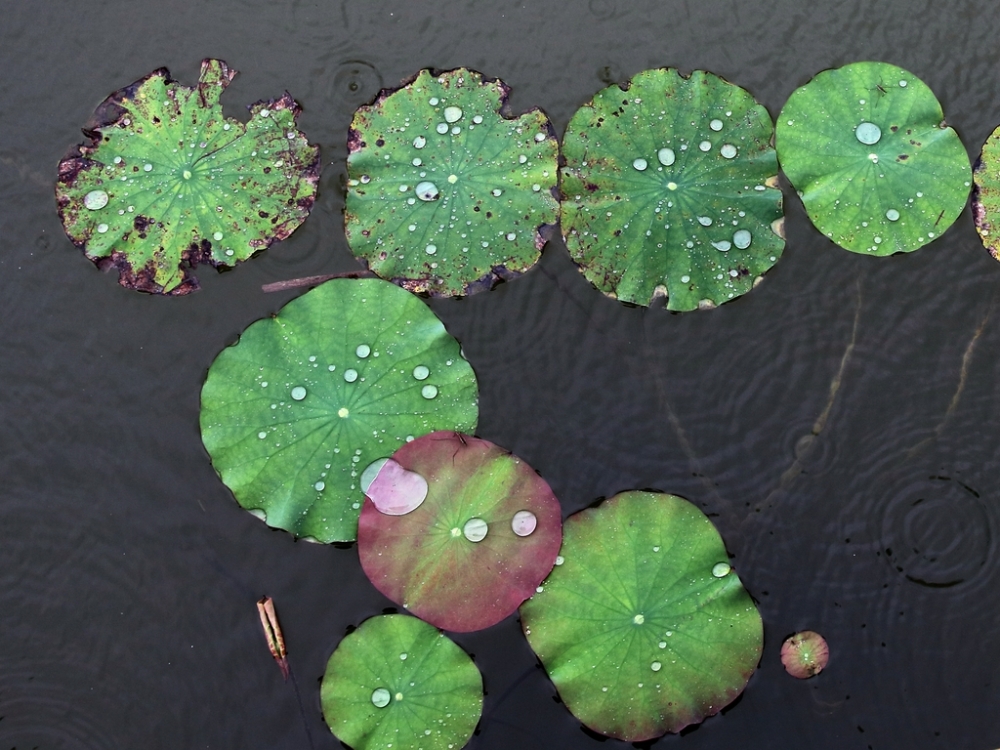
[(485, 537), (805, 654)]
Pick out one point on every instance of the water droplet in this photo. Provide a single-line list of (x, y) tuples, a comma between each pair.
[(298, 393), (420, 372), (560, 559), (147, 167), (640, 164), (261, 435), (511, 236), (475, 529), (705, 146), (715, 125), (671, 186), (343, 412), (442, 128), (721, 570), (102, 228), (902, 84), (95, 200), (417, 162), (477, 119), (419, 142), (497, 192), (452, 114), (705, 221), (685, 279), (662, 644), (393, 490), (728, 151), (371, 471), (319, 486), (217, 236), (892, 214), (429, 391), (656, 666), (363, 350), (665, 156), (639, 619), (381, 697), (523, 522), (539, 137), (350, 375), (742, 239), (186, 174), (868, 133), (403, 656), (722, 245), (117, 160), (365, 179), (427, 191)]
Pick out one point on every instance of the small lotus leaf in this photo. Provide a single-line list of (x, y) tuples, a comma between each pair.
[(167, 181), (868, 150), (670, 188), (397, 682), (484, 538), (446, 193), (341, 376), (986, 195), (643, 626)]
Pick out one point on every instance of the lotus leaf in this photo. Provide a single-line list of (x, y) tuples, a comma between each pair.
[(397, 682), (670, 188), (486, 535), (868, 150), (986, 195), (643, 626), (446, 193), (167, 181), (293, 412)]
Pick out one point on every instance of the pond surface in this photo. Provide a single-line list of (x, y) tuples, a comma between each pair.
[(839, 423)]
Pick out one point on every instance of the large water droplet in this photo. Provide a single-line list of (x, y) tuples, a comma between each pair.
[(656, 666), (394, 491), (640, 164), (419, 142), (892, 214), (371, 471), (102, 228), (298, 393), (452, 114), (721, 570), (95, 199), (722, 245), (381, 697), (350, 375), (319, 486), (715, 125), (427, 191), (665, 156), (523, 523), (868, 133), (429, 391), (431, 249), (420, 372), (705, 221), (705, 145), (742, 239), (217, 236), (363, 350), (475, 529), (728, 151)]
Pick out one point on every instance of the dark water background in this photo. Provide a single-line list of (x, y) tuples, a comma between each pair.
[(128, 573)]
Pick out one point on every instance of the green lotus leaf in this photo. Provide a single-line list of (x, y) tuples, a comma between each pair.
[(167, 181), (868, 150), (446, 193), (465, 556), (986, 194), (293, 413), (643, 626), (670, 188), (397, 682)]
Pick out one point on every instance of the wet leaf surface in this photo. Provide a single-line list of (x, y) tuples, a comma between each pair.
[(465, 557), (986, 195), (643, 626), (166, 181), (397, 682), (446, 193), (293, 413), (670, 190), (868, 150)]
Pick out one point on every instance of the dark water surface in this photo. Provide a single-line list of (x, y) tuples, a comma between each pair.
[(128, 574)]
